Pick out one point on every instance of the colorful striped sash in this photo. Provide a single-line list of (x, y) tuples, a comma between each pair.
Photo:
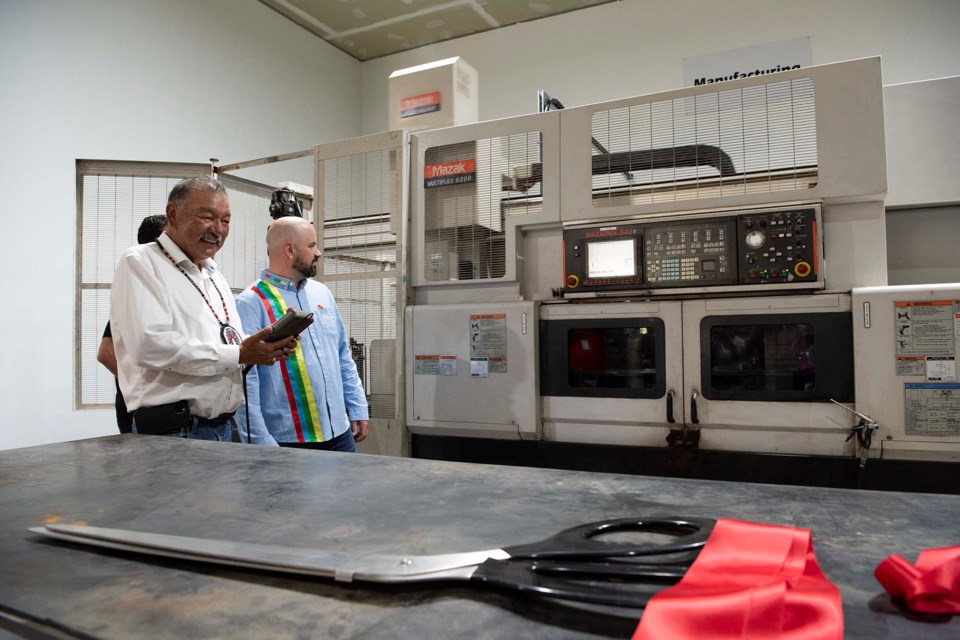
[(296, 381)]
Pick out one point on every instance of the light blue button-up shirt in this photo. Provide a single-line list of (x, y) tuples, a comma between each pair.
[(280, 408)]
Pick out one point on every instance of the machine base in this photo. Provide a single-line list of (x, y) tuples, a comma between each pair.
[(813, 471)]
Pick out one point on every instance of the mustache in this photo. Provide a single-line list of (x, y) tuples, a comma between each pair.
[(212, 237)]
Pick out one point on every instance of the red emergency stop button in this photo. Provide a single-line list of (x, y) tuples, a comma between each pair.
[(573, 281), (802, 269)]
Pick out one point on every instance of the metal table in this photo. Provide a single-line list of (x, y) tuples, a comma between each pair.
[(389, 505)]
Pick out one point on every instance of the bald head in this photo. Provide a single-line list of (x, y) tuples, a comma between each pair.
[(292, 248), (287, 229)]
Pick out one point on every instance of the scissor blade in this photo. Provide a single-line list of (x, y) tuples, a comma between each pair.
[(341, 566)]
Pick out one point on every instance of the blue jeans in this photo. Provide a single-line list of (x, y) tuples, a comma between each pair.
[(343, 442), (202, 430)]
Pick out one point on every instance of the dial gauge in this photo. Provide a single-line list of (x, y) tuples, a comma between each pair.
[(755, 239)]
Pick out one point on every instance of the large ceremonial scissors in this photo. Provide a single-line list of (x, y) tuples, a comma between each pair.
[(577, 564)]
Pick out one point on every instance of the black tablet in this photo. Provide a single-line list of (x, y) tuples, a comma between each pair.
[(292, 323)]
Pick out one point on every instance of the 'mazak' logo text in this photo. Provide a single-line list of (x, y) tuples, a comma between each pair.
[(445, 173)]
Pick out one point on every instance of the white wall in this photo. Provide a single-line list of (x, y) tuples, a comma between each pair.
[(637, 47), (177, 80)]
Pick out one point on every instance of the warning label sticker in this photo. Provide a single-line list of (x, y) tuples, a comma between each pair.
[(932, 409), (488, 340), (435, 365), (924, 328)]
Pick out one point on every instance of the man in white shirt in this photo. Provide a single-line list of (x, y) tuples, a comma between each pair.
[(176, 330)]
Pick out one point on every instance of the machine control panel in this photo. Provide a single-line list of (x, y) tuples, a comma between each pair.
[(604, 258), (778, 246), (741, 249), (690, 254)]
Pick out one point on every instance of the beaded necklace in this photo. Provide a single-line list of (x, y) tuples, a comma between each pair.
[(228, 334)]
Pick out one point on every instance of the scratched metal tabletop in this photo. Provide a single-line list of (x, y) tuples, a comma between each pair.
[(385, 505)]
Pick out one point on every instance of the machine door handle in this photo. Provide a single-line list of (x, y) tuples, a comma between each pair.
[(694, 418), (670, 395)]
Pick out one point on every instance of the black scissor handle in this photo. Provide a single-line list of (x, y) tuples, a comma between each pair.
[(613, 584), (578, 542)]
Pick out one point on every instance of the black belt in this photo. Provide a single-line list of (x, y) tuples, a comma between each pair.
[(167, 418), (219, 421)]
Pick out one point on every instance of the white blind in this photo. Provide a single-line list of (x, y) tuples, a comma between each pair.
[(360, 224), (113, 198), (763, 137), (244, 254)]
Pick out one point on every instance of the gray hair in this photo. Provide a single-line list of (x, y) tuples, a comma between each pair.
[(189, 185)]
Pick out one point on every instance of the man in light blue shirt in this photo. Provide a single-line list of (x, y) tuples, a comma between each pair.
[(314, 399)]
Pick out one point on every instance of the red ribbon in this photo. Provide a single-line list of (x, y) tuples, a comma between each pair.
[(932, 585), (749, 581)]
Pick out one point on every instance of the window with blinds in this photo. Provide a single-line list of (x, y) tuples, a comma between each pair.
[(112, 199), (360, 217), (754, 139), (469, 190)]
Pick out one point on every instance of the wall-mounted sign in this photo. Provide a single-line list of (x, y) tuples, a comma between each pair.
[(758, 60)]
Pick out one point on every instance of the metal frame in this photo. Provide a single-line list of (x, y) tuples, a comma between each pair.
[(395, 142), (548, 124), (114, 168), (850, 144)]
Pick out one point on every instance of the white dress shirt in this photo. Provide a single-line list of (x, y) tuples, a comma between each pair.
[(167, 339)]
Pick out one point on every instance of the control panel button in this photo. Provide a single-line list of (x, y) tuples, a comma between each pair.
[(573, 281), (802, 269)]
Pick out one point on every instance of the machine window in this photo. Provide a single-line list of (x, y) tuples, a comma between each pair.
[(766, 358), (612, 358)]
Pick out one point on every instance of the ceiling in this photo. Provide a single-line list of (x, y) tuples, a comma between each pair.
[(368, 29)]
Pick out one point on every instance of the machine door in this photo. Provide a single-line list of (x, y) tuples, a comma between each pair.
[(471, 370), (611, 372), (759, 373)]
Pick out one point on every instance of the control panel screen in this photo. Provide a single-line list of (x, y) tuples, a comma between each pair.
[(611, 259)]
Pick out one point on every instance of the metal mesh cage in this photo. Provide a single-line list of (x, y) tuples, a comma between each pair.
[(360, 223), (754, 139), (244, 254), (113, 198), (469, 190)]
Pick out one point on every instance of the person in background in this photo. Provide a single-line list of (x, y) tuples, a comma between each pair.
[(179, 348), (314, 399), (150, 229)]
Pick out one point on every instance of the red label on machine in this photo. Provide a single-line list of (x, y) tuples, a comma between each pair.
[(444, 173), (417, 105), (611, 233)]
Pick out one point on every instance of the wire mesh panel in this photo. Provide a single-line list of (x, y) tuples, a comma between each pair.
[(244, 254), (360, 224), (470, 188), (113, 198), (756, 139), (369, 310)]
